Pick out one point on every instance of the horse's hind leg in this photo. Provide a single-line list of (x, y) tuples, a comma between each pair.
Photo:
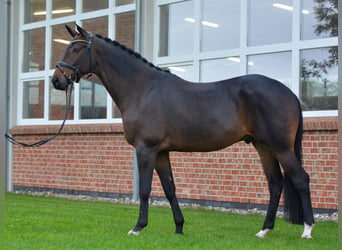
[(163, 168), (275, 185), (297, 192)]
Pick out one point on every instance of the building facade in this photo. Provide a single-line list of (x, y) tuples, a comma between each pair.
[(293, 41)]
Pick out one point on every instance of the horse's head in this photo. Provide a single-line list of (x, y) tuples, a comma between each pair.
[(77, 60)]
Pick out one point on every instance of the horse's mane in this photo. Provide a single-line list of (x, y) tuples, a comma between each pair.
[(131, 52)]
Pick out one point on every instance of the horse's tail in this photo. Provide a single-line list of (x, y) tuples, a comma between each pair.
[(293, 203)]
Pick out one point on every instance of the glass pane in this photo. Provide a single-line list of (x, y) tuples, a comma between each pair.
[(62, 8), (274, 65), (35, 10), (116, 112), (60, 40), (34, 50), (123, 2), (319, 79), (220, 25), (220, 69), (57, 104), (33, 99), (125, 34), (93, 98), (94, 5), (269, 22), (319, 19), (96, 25), (125, 28), (185, 72), (176, 29)]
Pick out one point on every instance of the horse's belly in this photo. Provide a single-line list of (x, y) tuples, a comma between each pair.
[(203, 141)]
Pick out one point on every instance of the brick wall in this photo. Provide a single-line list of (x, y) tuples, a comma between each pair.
[(96, 158)]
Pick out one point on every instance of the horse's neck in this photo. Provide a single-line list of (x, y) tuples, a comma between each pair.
[(124, 76)]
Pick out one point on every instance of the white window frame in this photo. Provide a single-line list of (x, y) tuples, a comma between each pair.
[(45, 74), (295, 46)]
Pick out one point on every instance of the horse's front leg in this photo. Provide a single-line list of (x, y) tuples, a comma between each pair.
[(163, 168), (146, 163)]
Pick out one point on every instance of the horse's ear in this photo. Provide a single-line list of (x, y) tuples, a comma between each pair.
[(81, 30), (72, 32)]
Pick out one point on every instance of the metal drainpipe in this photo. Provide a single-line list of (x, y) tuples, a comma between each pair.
[(4, 19), (135, 191), (8, 150)]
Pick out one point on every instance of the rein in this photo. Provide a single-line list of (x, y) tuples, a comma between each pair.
[(70, 79), (42, 142)]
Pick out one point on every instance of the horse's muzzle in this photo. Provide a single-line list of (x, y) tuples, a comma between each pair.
[(60, 85)]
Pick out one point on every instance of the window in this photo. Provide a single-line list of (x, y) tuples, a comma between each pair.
[(177, 29), (319, 79), (274, 65), (34, 50), (269, 22), (293, 41), (33, 101), (220, 25), (44, 39), (319, 19), (218, 69)]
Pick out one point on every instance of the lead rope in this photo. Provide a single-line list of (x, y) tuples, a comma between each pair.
[(42, 142)]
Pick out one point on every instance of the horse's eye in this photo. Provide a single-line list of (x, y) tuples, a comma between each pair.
[(76, 50)]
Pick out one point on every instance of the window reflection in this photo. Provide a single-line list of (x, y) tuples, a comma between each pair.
[(176, 29), (57, 104), (219, 69), (269, 22), (274, 65), (93, 98), (61, 8), (94, 5), (123, 2), (319, 79), (35, 10), (34, 50), (319, 19), (116, 113), (125, 28), (220, 25), (33, 99), (184, 71), (60, 40), (97, 25)]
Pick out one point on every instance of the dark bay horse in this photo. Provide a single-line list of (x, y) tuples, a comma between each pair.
[(162, 112)]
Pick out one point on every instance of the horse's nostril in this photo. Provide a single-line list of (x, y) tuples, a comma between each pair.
[(55, 80)]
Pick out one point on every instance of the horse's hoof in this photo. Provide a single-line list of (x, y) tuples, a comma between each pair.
[(132, 232), (262, 233), (307, 231)]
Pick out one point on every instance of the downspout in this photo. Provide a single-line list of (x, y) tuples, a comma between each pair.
[(340, 117), (4, 88), (8, 149), (135, 191), (4, 29)]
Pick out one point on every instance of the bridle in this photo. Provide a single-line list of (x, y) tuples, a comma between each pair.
[(74, 77)]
